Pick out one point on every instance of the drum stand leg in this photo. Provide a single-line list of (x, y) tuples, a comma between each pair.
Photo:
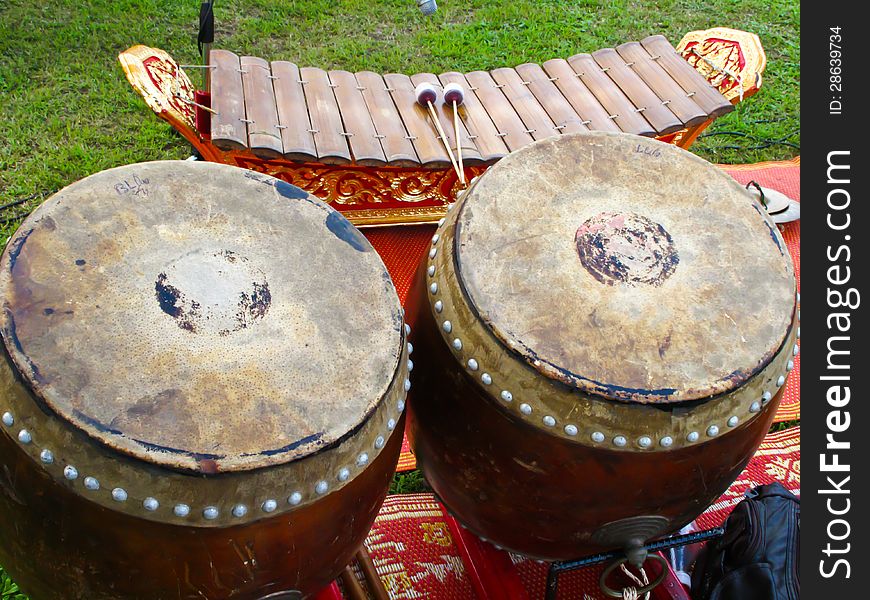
[(353, 588), (373, 580)]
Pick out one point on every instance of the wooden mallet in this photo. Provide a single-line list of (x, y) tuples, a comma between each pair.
[(455, 95), (426, 95)]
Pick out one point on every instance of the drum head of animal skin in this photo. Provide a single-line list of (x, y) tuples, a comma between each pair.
[(199, 316), (625, 267)]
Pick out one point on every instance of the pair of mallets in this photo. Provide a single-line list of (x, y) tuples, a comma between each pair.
[(427, 95)]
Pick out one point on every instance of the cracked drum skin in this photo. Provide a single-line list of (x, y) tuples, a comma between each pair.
[(202, 388), (608, 323)]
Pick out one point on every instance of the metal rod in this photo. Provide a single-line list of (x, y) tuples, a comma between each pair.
[(667, 543), (663, 544)]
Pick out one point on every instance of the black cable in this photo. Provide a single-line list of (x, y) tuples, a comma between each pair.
[(21, 200), (11, 218), (764, 142)]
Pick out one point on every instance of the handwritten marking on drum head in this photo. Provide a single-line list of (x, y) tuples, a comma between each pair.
[(136, 186), (648, 150), (626, 248)]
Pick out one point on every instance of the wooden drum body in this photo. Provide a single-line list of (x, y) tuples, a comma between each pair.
[(608, 323), (203, 382)]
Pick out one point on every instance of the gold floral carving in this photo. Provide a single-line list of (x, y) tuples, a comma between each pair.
[(162, 83), (730, 59)]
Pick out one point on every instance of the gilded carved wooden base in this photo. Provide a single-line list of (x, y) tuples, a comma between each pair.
[(369, 195)]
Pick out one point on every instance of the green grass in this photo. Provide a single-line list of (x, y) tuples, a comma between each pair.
[(67, 110)]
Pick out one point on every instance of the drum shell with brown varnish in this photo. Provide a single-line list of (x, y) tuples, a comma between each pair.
[(608, 323), (203, 382)]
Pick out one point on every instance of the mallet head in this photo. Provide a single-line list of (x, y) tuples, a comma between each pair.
[(426, 93), (454, 94)]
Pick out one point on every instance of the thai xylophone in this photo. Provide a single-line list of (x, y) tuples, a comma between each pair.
[(361, 142)]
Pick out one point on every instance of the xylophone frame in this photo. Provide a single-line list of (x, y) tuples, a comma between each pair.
[(732, 61)]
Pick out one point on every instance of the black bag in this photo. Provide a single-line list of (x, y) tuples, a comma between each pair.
[(757, 558)]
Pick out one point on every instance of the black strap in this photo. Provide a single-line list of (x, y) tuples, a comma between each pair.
[(206, 24)]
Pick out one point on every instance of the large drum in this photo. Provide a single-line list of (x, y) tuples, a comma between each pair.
[(202, 388), (608, 323)]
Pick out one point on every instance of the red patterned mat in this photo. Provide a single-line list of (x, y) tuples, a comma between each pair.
[(401, 248), (416, 557)]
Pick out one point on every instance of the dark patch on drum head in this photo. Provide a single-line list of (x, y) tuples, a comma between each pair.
[(290, 191), (252, 302), (626, 248), (172, 301), (343, 230), (12, 336), (15, 248)]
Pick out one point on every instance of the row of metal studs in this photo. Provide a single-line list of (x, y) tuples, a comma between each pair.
[(210, 513), (571, 429)]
